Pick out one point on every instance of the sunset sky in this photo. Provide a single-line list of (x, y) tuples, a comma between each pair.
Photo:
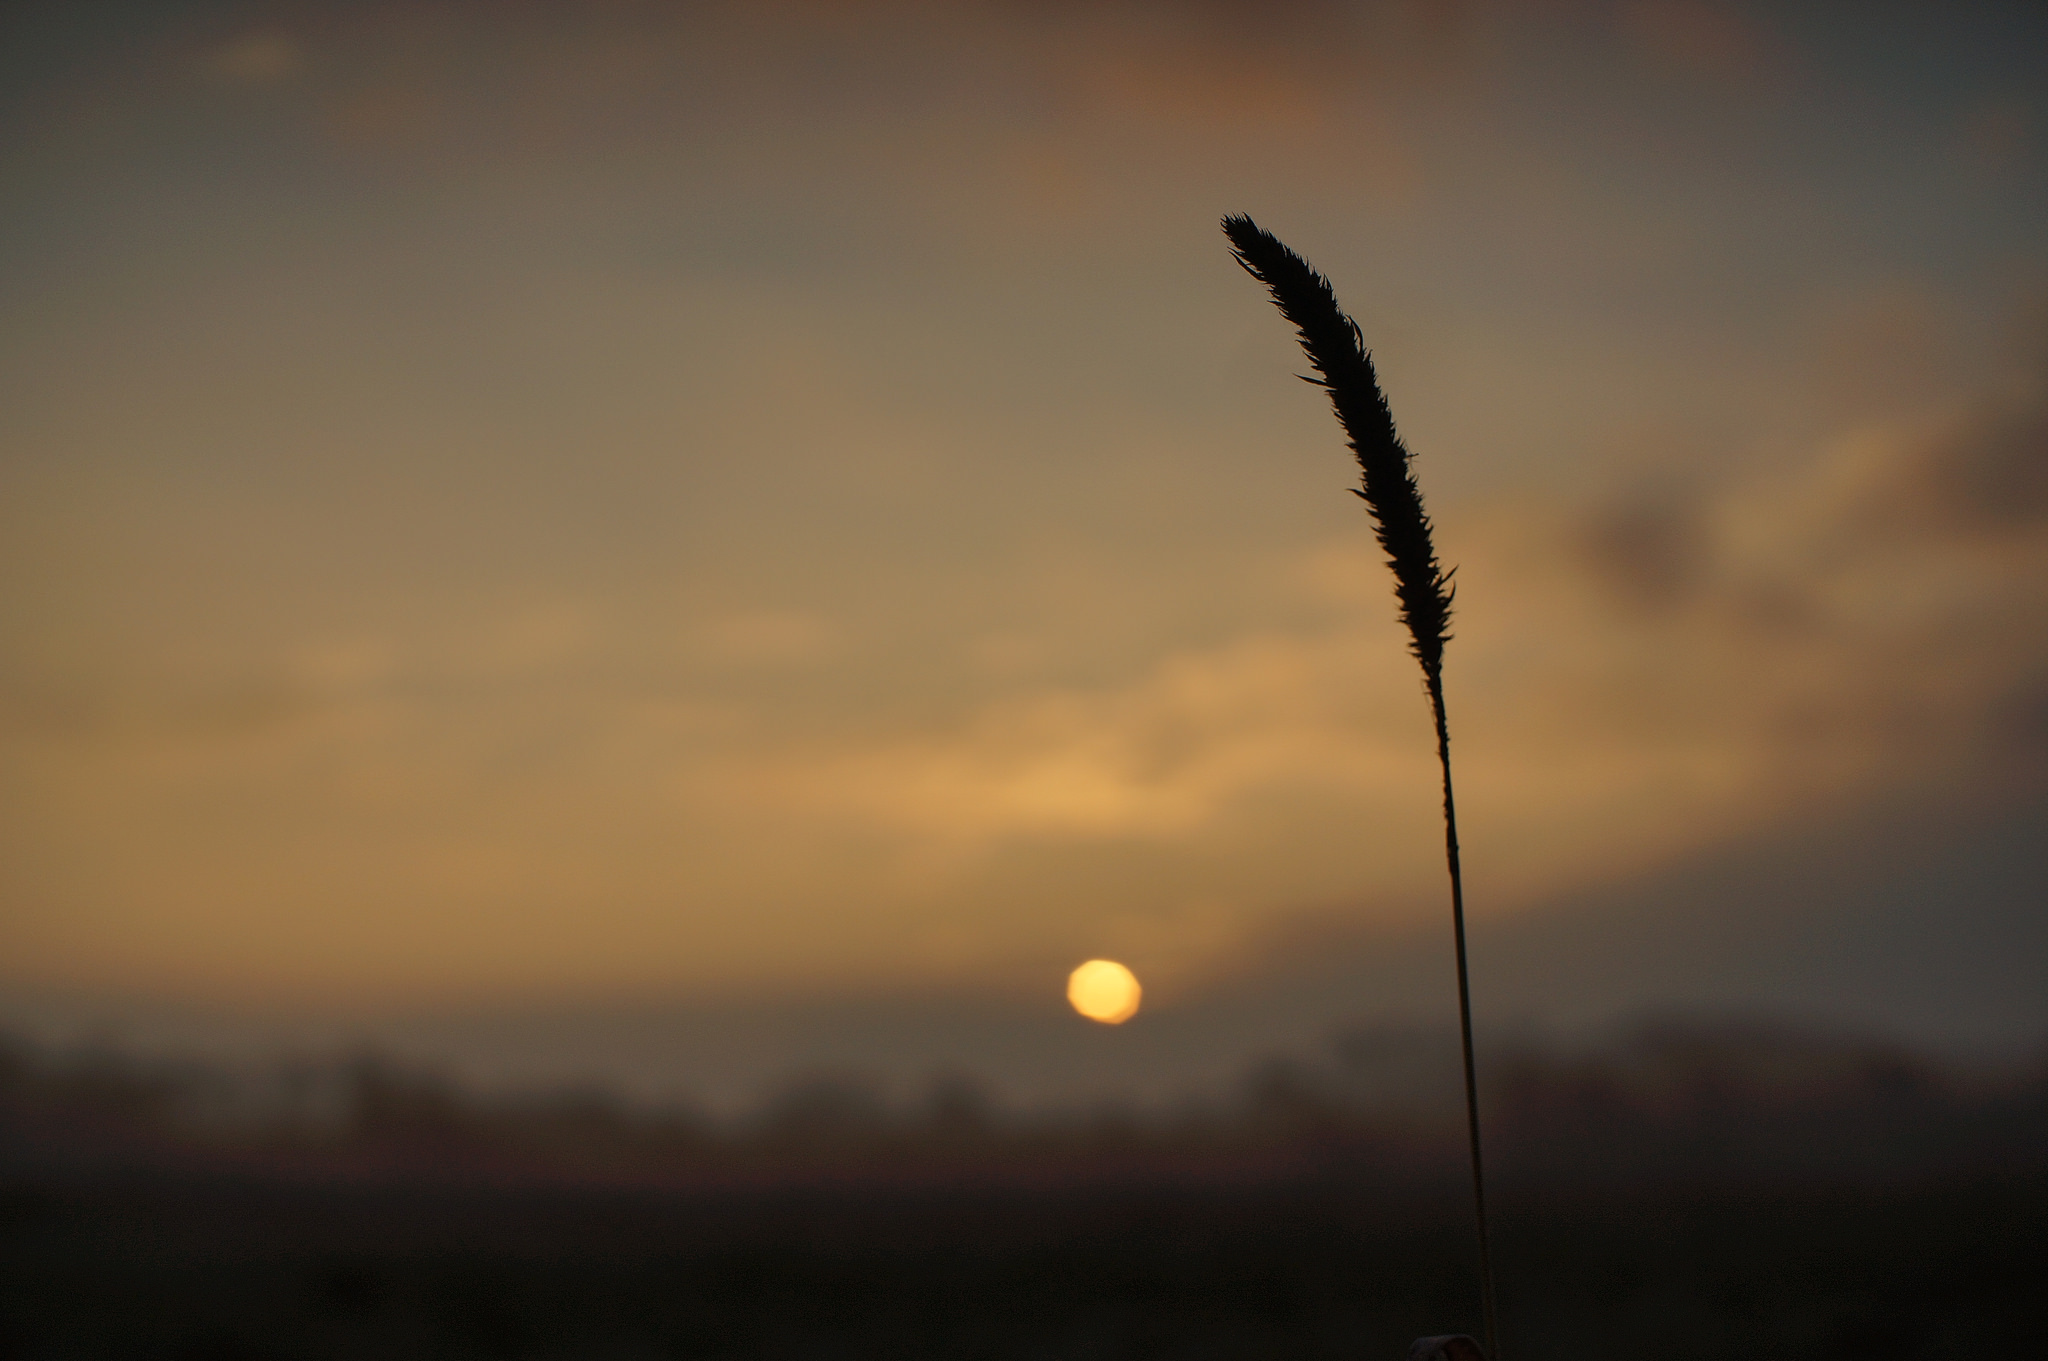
[(526, 506)]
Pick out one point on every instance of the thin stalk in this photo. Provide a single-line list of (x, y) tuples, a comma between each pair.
[(1488, 1310), (1336, 350)]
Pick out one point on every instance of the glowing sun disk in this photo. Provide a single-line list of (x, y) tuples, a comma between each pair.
[(1104, 990)]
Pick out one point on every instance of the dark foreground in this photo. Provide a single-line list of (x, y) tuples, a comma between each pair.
[(214, 1268)]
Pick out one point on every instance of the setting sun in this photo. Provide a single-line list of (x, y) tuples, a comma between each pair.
[(1104, 990)]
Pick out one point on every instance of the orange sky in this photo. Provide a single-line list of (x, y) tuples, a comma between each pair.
[(516, 503)]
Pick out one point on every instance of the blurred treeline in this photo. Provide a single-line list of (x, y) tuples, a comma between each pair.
[(1665, 1102)]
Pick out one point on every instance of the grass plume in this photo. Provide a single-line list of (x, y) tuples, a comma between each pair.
[(1336, 350)]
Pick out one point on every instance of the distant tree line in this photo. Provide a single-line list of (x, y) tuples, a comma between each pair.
[(1667, 1103)]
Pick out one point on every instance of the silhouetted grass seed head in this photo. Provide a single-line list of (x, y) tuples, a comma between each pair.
[(1344, 367)]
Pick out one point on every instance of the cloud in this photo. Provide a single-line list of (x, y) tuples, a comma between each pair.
[(1651, 550), (1164, 757), (705, 794), (1700, 37), (1985, 478), (1796, 636), (766, 638), (734, 84), (256, 58)]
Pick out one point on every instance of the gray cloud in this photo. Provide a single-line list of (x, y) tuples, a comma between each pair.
[(1990, 477), (1651, 551)]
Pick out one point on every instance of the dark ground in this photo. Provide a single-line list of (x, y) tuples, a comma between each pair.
[(222, 1270)]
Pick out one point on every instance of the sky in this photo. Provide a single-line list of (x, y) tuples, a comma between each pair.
[(737, 509)]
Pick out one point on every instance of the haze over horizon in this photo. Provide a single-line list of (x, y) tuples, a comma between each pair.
[(527, 511)]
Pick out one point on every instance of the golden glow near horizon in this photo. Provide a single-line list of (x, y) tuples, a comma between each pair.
[(1104, 990)]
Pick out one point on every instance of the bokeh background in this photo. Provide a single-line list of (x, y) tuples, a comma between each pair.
[(685, 548)]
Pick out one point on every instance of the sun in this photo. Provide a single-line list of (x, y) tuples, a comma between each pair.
[(1104, 990)]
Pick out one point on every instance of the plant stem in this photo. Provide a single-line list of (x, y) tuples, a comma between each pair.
[(1443, 752)]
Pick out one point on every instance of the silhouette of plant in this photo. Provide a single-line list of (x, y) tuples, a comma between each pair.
[(1336, 350)]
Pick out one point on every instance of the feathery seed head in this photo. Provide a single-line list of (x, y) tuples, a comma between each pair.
[(1337, 352)]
